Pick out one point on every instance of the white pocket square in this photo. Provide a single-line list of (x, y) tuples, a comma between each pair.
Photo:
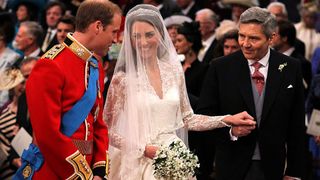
[(290, 86)]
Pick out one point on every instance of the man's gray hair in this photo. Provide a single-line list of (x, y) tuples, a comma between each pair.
[(260, 16), (34, 30), (278, 4), (209, 14)]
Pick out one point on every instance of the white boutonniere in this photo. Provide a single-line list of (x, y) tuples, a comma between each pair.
[(281, 66)]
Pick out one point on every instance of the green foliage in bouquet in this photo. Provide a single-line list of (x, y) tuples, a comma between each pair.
[(175, 161)]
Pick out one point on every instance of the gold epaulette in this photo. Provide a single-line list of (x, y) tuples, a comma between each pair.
[(53, 52)]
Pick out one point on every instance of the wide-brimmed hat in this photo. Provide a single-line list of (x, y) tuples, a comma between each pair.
[(245, 3), (176, 20), (225, 26), (310, 7), (10, 78)]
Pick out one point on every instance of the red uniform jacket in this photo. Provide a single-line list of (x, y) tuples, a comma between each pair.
[(56, 83)]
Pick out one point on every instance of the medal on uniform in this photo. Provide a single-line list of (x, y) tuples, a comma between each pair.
[(27, 172)]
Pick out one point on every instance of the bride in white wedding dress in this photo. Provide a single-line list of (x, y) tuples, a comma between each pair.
[(147, 102)]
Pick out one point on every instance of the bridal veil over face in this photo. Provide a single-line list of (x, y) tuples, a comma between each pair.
[(127, 112)]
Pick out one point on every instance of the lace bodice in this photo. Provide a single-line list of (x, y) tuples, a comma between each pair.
[(168, 113)]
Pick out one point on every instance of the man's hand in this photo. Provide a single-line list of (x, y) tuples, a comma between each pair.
[(240, 119), (15, 129), (150, 151), (241, 131), (16, 162)]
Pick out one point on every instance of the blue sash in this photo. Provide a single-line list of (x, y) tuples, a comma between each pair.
[(32, 160), (72, 119)]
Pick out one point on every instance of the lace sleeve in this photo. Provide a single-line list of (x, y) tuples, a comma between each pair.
[(193, 121), (114, 106)]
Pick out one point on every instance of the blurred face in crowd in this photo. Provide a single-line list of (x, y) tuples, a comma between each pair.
[(207, 25), (183, 3), (309, 19), (278, 12), (23, 39), (182, 45), (27, 68), (22, 13), (173, 32), (53, 15), (230, 45), (237, 11), (144, 38), (62, 30), (277, 40), (253, 42), (106, 36)]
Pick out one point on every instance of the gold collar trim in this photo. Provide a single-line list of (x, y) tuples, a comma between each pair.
[(77, 48)]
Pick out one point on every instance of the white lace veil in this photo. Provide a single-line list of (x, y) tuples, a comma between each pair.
[(131, 119)]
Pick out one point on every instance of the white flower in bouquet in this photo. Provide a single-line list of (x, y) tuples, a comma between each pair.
[(175, 162)]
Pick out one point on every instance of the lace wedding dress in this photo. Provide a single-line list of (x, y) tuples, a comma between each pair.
[(168, 114)]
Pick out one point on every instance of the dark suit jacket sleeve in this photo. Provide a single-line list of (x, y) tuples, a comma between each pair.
[(296, 132)]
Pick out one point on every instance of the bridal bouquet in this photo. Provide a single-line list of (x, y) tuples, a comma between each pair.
[(174, 162)]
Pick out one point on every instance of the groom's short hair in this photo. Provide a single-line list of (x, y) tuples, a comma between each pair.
[(95, 10)]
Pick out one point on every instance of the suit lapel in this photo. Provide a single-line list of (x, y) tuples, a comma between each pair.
[(274, 80), (244, 83), (209, 54)]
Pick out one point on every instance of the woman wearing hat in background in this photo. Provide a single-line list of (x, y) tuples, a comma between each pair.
[(11, 80), (172, 24), (7, 56), (227, 36)]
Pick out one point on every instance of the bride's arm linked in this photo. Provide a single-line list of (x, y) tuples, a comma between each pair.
[(196, 122), (114, 106)]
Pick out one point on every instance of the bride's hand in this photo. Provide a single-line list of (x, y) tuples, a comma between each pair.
[(240, 119), (150, 151)]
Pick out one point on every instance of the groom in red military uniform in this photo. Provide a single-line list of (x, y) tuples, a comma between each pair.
[(65, 102)]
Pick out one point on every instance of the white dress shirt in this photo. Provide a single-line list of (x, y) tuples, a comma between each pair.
[(263, 70), (206, 44)]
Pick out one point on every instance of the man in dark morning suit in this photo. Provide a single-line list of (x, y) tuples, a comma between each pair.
[(272, 94)]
